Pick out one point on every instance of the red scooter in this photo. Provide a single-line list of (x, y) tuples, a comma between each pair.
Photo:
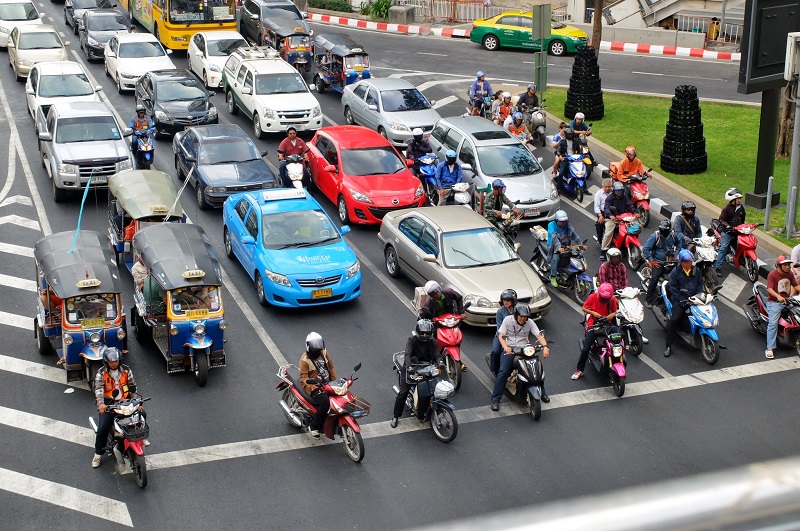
[(640, 196), (626, 238), (345, 409), (742, 249), (788, 324), (448, 340)]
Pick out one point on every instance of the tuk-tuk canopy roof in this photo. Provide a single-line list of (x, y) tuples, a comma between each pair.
[(338, 44), (178, 255), (285, 26), (90, 265), (144, 193)]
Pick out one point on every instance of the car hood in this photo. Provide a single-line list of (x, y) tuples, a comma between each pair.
[(250, 172), (332, 258), (81, 151), (490, 281), (103, 36), (401, 186), (184, 108), (424, 117), (287, 102), (528, 189), (141, 65), (38, 56), (570, 31)]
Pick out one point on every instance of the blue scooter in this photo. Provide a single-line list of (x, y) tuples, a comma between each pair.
[(427, 174), (574, 182), (702, 317), (144, 149)]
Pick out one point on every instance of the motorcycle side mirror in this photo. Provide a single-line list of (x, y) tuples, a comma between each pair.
[(544, 100), (312, 381), (715, 290), (29, 91), (467, 305), (430, 258), (357, 368), (264, 153), (132, 388)]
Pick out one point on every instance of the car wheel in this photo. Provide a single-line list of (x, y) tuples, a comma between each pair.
[(557, 48), (201, 198), (382, 131), (66, 18), (226, 240), (178, 170), (342, 207), (348, 116), (119, 84), (392, 266), (59, 194), (75, 29), (260, 294), (232, 108), (257, 132), (491, 42)]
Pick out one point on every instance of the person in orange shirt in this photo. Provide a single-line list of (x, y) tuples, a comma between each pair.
[(628, 166)]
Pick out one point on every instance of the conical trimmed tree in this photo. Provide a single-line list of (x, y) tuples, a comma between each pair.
[(684, 149), (584, 93)]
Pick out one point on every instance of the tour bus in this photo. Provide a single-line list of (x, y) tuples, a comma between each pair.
[(173, 22)]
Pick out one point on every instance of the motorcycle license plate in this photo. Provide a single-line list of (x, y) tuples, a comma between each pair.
[(98, 322), (322, 293), (196, 314), (531, 212)]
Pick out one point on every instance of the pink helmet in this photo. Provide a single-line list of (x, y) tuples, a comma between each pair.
[(606, 291)]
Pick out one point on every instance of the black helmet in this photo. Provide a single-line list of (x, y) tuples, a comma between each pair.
[(508, 295), (664, 227), (314, 345), (424, 329), (110, 354), (688, 205), (522, 310), (569, 134), (140, 108)]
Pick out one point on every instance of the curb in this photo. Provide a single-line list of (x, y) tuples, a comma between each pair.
[(448, 32)]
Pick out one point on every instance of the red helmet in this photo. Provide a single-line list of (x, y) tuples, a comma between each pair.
[(606, 291), (782, 260), (630, 150)]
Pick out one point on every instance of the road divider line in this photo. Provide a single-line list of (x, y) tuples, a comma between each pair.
[(19, 250), (65, 496), (19, 321), (63, 431), (17, 282), (445, 101), (38, 370)]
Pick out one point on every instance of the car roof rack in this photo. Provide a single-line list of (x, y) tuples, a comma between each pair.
[(258, 52)]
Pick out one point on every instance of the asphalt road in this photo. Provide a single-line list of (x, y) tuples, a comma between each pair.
[(224, 456)]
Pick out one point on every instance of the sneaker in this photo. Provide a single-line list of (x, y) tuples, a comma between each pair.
[(545, 397), (146, 442), (314, 433), (667, 352), (394, 422), (719, 272), (577, 375), (768, 353), (554, 282), (96, 460), (495, 405)]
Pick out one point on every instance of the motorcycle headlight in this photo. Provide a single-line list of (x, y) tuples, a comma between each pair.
[(616, 351), (67, 340), (397, 126), (69, 169), (223, 325), (317, 112), (173, 330), (353, 270), (94, 337), (358, 196), (124, 164), (214, 68), (121, 334), (91, 42), (553, 192), (269, 113), (479, 301), (540, 294), (212, 112), (336, 408), (277, 279), (161, 116), (419, 192), (199, 329)]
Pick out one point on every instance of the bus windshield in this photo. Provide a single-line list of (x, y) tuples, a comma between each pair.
[(201, 11)]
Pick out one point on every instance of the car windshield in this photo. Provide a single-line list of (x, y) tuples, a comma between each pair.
[(280, 84), (134, 50), (87, 129), (289, 11), (224, 47), (194, 298), (475, 248), (228, 150), (38, 40), (20, 11), (554, 24), (404, 100), (183, 89), (507, 160), (106, 22), (90, 4), (372, 161), (64, 85), (91, 307), (305, 228)]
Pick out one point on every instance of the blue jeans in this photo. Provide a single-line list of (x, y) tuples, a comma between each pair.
[(554, 260), (497, 350), (724, 244), (506, 367), (774, 310)]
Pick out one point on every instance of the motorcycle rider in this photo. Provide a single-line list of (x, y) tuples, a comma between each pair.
[(291, 145), (614, 271), (493, 204), (630, 165), (515, 332), (661, 245), (560, 235), (417, 147), (528, 98), (112, 376), (781, 283), (504, 110), (140, 122), (621, 203), (448, 173), (565, 147), (442, 301), (420, 347), (686, 277), (518, 129), (599, 203), (732, 215), (316, 363), (508, 300), (687, 225), (601, 303), (555, 145), (479, 90), (578, 124)]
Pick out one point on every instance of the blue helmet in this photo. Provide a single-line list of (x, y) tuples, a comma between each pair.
[(517, 116), (450, 154), (685, 255), (480, 73), (497, 183)]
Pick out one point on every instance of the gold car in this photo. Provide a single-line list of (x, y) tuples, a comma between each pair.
[(28, 45)]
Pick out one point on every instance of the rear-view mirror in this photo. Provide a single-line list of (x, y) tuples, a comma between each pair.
[(372, 107), (264, 153), (312, 86), (29, 91), (127, 131), (169, 52), (190, 158), (466, 167), (357, 368), (330, 168), (45, 136), (247, 90), (345, 229), (409, 162)]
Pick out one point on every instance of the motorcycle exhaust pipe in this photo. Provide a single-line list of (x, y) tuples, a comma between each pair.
[(294, 419)]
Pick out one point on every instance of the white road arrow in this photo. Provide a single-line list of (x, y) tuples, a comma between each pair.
[(19, 199), (19, 220)]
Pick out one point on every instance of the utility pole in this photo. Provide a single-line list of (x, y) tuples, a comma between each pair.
[(791, 68), (540, 31)]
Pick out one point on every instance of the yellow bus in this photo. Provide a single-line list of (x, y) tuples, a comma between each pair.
[(173, 22)]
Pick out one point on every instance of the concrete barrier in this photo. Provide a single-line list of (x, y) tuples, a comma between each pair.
[(401, 15), (655, 36)]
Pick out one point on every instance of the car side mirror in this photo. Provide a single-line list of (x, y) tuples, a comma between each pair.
[(45, 136), (98, 88), (430, 258), (66, 43), (248, 240), (466, 167), (344, 230), (254, 16), (146, 98), (409, 162), (30, 91), (10, 45), (517, 247), (330, 168), (372, 107), (247, 90), (110, 54), (312, 86), (305, 15), (211, 93), (540, 159), (432, 102), (127, 131), (169, 52), (190, 158)]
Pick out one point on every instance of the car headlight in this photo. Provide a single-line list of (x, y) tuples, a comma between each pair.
[(214, 68), (353, 270), (479, 301), (199, 329), (124, 165), (223, 325), (91, 42), (68, 169), (358, 196), (419, 192), (397, 126), (212, 112), (161, 116), (277, 279), (127, 75), (25, 62), (317, 112), (4, 29), (540, 294), (215, 189), (67, 340), (269, 113), (121, 334), (553, 192)]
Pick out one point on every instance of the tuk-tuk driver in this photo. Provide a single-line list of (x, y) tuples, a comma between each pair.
[(291, 145), (327, 59)]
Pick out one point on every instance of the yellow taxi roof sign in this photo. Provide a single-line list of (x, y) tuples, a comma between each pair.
[(194, 273), (88, 283)]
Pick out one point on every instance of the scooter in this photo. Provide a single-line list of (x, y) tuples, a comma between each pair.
[(527, 379), (788, 324), (485, 110), (571, 268), (607, 354), (703, 320), (345, 408), (448, 340), (127, 435), (583, 149), (296, 170), (743, 249), (574, 182), (145, 150), (458, 194), (626, 239), (426, 382), (640, 195), (427, 174), (535, 120), (705, 259), (646, 274), (509, 226), (630, 314)]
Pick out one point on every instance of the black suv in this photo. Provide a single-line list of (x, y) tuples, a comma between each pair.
[(253, 13)]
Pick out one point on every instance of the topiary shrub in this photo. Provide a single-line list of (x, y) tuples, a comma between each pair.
[(342, 6)]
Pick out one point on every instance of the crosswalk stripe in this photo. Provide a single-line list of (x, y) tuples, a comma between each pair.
[(65, 496), (20, 321), (17, 282), (57, 429), (19, 250), (445, 101), (38, 370)]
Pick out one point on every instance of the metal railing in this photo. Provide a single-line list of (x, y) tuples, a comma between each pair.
[(730, 33), (462, 11)]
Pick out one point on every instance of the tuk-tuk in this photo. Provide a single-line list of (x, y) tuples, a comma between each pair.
[(177, 296), (293, 42), (137, 199), (78, 307), (348, 62)]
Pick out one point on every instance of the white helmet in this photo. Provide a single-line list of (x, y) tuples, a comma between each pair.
[(579, 116), (732, 193), (613, 251), (417, 132), (432, 287), (314, 343), (506, 95)]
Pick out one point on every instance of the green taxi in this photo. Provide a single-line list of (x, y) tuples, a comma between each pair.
[(512, 29)]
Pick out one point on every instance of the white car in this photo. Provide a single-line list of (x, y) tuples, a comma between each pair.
[(15, 13), (28, 45), (55, 81), (128, 56), (208, 52)]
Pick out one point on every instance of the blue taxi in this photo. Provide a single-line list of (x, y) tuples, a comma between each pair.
[(290, 248)]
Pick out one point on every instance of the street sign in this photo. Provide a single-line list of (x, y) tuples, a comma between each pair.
[(540, 71), (541, 22)]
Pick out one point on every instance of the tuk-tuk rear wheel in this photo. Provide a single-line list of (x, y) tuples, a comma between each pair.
[(94, 367), (143, 334)]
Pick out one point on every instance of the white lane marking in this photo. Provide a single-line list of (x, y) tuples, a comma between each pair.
[(298, 441), (325, 118), (15, 199), (445, 101), (12, 171), (655, 366), (14, 219), (65, 496), (17, 282), (398, 76), (50, 19), (63, 35), (732, 287), (429, 84), (93, 81), (435, 54), (19, 321), (63, 431), (19, 250), (26, 167), (646, 73), (39, 370), (677, 76)]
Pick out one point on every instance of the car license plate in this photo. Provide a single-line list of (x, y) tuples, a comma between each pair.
[(322, 293), (196, 314), (531, 212), (99, 322), (300, 127), (100, 179)]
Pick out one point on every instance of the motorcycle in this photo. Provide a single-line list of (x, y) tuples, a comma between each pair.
[(640, 195), (607, 354), (630, 314), (646, 274), (583, 149), (535, 120), (345, 408), (743, 249), (426, 382), (426, 173), (296, 170), (485, 110), (705, 259), (458, 194), (626, 238), (574, 182), (509, 226), (702, 321), (571, 268), (448, 340), (145, 151), (527, 378), (788, 324), (127, 435)]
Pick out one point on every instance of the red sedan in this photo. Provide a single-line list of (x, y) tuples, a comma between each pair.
[(362, 173)]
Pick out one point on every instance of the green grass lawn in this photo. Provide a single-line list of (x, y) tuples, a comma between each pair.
[(731, 133)]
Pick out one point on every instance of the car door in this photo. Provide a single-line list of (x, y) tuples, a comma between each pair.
[(111, 57), (507, 30), (452, 140), (248, 100), (429, 245), (438, 135), (372, 117), (235, 224), (196, 54), (356, 102), (407, 247), (31, 87), (467, 155), (251, 228), (186, 148), (325, 154), (524, 33), (248, 22)]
